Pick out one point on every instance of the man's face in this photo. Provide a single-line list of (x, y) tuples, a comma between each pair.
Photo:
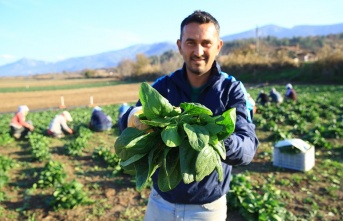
[(199, 46)]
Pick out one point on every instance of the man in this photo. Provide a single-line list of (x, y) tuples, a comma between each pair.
[(99, 120), (19, 126), (200, 80), (58, 126)]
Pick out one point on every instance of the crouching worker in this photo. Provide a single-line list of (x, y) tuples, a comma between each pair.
[(58, 126), (19, 126), (99, 120)]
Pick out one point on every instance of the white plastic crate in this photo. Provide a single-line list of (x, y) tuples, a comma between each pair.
[(303, 161)]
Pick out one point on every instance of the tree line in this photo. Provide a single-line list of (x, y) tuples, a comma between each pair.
[(313, 59)]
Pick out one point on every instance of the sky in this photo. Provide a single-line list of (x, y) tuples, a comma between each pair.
[(53, 30)]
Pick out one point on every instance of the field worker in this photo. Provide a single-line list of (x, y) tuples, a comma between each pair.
[(262, 98), (99, 120), (275, 96), (58, 126), (201, 80), (290, 93), (122, 110), (19, 126)]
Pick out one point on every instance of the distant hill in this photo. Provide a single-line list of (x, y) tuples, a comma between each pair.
[(109, 59), (25, 66), (280, 32)]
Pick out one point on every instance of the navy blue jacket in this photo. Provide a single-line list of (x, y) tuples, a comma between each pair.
[(221, 93), (99, 118)]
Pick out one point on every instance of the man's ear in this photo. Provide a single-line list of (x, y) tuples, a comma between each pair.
[(178, 42), (219, 46)]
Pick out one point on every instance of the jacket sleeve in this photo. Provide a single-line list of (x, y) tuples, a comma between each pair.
[(122, 122), (241, 146)]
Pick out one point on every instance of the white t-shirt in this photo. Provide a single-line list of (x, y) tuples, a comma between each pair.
[(57, 124)]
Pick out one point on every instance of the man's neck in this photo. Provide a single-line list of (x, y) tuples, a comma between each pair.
[(197, 81)]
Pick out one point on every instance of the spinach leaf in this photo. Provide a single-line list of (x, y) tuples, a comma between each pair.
[(170, 136), (170, 174), (142, 172), (195, 108), (133, 141), (198, 136), (158, 122), (205, 162), (219, 147), (229, 123), (219, 168), (154, 105), (188, 157)]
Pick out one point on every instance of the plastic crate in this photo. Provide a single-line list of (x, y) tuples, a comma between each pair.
[(303, 161)]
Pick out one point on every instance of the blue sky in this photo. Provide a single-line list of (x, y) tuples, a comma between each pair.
[(52, 30)]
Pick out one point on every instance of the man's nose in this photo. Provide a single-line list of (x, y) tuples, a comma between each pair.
[(199, 50)]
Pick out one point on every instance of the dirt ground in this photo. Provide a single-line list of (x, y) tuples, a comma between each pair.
[(37, 100)]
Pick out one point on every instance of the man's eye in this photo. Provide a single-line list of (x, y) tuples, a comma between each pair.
[(206, 44)]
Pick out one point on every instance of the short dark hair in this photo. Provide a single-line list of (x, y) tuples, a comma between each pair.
[(200, 17)]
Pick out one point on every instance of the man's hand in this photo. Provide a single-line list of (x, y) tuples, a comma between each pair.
[(133, 119)]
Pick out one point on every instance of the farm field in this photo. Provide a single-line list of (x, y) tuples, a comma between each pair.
[(46, 94), (79, 177)]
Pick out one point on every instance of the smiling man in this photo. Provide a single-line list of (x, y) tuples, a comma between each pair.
[(200, 80)]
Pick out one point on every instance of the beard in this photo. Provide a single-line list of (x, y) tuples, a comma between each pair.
[(197, 68)]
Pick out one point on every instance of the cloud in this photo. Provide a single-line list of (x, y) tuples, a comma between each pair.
[(6, 59), (7, 56)]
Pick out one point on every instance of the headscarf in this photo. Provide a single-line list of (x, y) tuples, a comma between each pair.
[(23, 108), (67, 115)]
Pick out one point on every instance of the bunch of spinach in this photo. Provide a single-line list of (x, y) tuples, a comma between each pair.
[(185, 145)]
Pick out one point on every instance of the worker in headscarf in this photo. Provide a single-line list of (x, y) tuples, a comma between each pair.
[(19, 127), (290, 93), (58, 126)]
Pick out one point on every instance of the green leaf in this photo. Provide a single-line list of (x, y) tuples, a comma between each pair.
[(214, 128), (219, 168), (205, 163), (219, 147), (133, 141), (170, 136), (142, 172), (187, 162), (228, 122), (206, 119), (169, 175), (195, 108), (153, 103), (158, 122), (198, 136), (155, 160), (132, 159)]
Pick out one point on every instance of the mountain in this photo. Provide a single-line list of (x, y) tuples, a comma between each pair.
[(26, 66), (280, 32)]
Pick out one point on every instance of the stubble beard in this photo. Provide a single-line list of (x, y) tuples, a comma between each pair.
[(196, 68)]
